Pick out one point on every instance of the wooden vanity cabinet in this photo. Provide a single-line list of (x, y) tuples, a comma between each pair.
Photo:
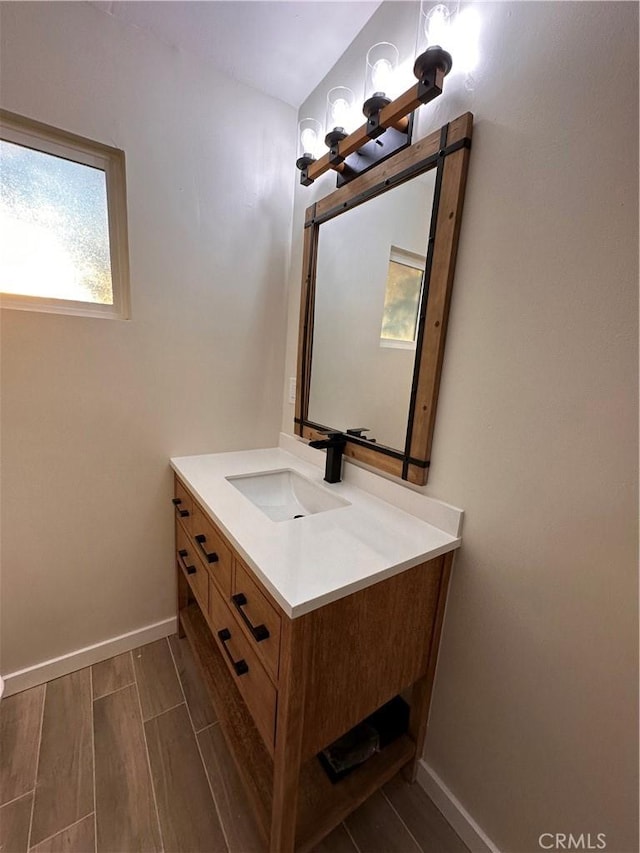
[(284, 689)]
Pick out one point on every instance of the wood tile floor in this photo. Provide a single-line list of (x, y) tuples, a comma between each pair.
[(126, 757)]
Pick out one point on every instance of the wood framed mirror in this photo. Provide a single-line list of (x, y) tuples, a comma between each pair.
[(378, 266)]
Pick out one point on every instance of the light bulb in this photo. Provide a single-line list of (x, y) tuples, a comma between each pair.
[(436, 25), (309, 131), (340, 112), (467, 36), (340, 101), (309, 140), (381, 67), (381, 75)]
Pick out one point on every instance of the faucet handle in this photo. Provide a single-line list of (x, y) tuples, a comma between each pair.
[(331, 433), (332, 439), (357, 431)]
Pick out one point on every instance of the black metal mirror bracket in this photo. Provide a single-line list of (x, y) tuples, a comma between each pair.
[(380, 147)]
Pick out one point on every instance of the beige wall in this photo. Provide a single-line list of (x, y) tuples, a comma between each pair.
[(533, 725), (93, 409)]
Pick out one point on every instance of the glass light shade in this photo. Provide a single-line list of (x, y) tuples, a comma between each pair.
[(309, 139), (382, 63), (340, 109), (467, 39), (453, 28), (435, 22)]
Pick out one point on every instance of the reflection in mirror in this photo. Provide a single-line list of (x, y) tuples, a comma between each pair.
[(402, 297), (367, 301)]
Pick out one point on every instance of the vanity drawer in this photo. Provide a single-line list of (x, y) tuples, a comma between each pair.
[(183, 503), (212, 550), (248, 673), (192, 568), (260, 620)]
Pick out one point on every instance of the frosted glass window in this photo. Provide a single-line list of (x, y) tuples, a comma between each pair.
[(54, 227), (59, 219), (402, 300)]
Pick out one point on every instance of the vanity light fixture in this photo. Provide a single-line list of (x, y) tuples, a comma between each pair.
[(389, 122)]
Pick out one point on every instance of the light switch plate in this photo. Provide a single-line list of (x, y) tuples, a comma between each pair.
[(292, 389)]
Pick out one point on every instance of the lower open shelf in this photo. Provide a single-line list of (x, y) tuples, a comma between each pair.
[(322, 805)]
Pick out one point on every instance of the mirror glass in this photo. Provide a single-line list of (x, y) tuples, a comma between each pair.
[(369, 288)]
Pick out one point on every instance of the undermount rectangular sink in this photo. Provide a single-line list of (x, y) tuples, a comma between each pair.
[(284, 495)]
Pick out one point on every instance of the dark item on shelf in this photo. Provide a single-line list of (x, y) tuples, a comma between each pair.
[(361, 742), (350, 750)]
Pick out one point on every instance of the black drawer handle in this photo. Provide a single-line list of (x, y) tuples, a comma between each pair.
[(258, 632), (211, 557), (182, 555), (183, 513), (240, 666)]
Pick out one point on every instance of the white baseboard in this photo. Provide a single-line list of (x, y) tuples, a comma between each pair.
[(22, 679), (473, 835)]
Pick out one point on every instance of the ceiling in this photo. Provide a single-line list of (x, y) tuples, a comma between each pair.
[(282, 47)]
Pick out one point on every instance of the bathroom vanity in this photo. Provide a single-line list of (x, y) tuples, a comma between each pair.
[(311, 606), (307, 607)]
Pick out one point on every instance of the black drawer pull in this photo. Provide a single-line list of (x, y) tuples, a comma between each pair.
[(211, 557), (182, 554), (183, 513), (258, 632), (240, 666)]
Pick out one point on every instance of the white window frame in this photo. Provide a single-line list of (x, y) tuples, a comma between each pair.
[(50, 140)]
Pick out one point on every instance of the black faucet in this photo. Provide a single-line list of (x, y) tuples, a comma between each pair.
[(335, 444)]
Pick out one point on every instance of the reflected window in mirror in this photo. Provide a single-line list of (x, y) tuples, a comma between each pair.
[(402, 298)]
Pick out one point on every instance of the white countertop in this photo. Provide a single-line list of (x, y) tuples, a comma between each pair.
[(311, 561)]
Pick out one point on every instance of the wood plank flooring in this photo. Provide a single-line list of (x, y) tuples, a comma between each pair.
[(127, 757), (126, 813), (79, 836), (15, 819), (66, 752), (112, 674), (20, 721)]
